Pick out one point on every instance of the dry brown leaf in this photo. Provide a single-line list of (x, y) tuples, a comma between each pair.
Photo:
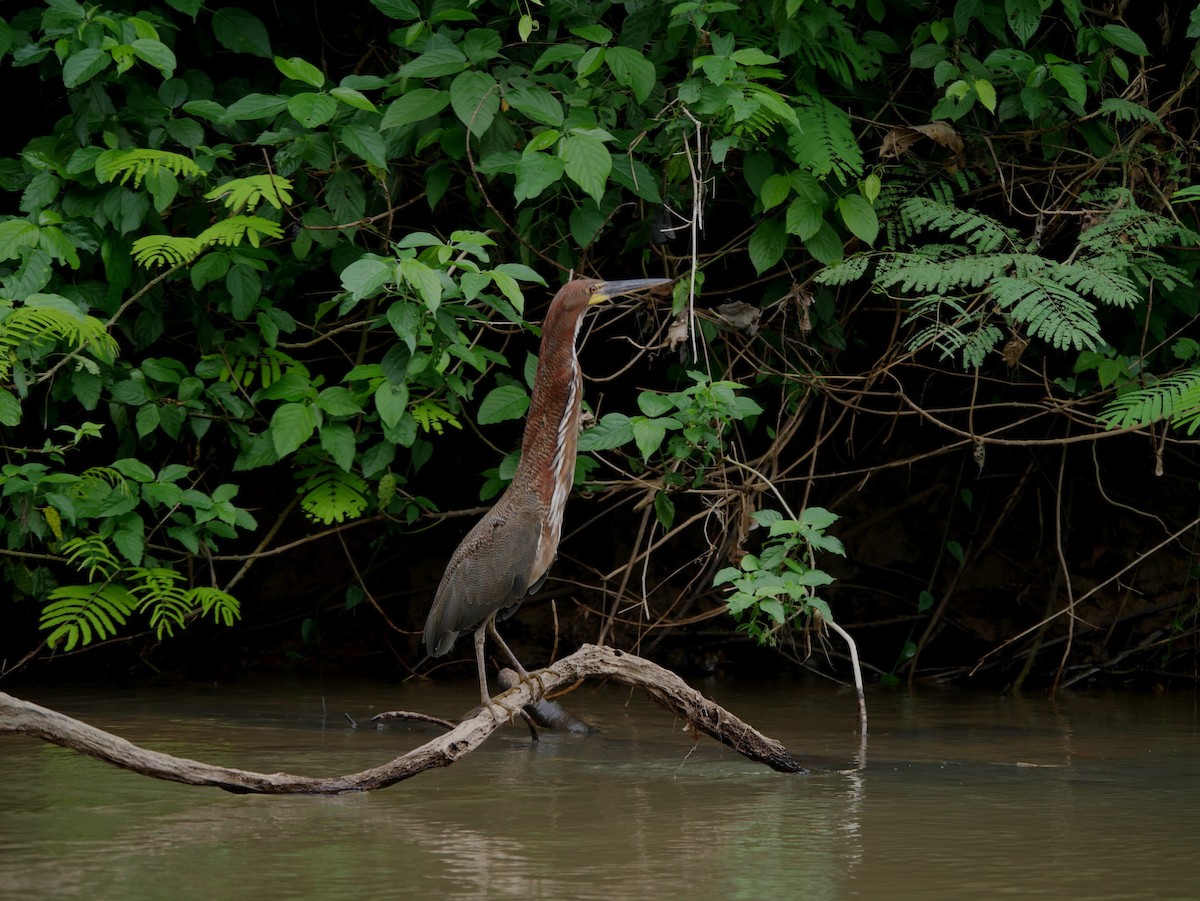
[(898, 141)]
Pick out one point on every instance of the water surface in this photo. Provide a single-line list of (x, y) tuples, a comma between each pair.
[(955, 795)]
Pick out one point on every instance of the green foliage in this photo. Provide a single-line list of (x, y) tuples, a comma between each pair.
[(965, 295), (316, 268), (773, 589)]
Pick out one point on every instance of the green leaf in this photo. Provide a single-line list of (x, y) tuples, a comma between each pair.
[(1126, 39), (366, 143), (649, 435), (612, 431), (298, 69), (241, 32), (654, 404), (475, 97), (255, 106), (363, 278), (83, 66), (425, 280), (631, 70), (291, 426), (664, 509), (986, 93), (767, 244), (10, 408), (774, 191), (1024, 16), (156, 53), (537, 103), (312, 110), (415, 106), (859, 217), (535, 173), (356, 99), (1071, 78), (391, 401), (587, 162), (442, 60), (338, 440), (503, 403)]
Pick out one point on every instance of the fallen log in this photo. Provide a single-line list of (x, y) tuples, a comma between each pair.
[(702, 716)]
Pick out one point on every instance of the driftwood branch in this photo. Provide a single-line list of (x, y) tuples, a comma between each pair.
[(590, 661)]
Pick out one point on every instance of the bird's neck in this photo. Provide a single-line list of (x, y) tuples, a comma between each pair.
[(552, 426)]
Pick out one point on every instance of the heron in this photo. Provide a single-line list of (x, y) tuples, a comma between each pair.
[(506, 556)]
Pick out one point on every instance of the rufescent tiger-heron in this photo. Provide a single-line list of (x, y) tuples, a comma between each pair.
[(506, 556)]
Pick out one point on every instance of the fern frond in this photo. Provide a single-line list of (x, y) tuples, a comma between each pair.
[(91, 554), (1104, 278), (982, 232), (232, 231), (432, 416), (822, 140), (46, 318), (330, 494), (139, 163), (848, 270), (80, 614), (1128, 111), (1049, 310), (921, 274), (165, 250), (225, 608), (160, 593), (246, 193), (1131, 225), (1176, 398)]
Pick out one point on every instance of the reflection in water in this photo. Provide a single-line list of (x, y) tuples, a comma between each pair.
[(959, 796)]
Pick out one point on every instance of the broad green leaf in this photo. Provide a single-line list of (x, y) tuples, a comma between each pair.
[(298, 69), (535, 173), (612, 431), (291, 426), (391, 401), (503, 403), (354, 98), (636, 176), (825, 245), (775, 190), (83, 66), (654, 404), (767, 244), (664, 509), (14, 235), (338, 440), (442, 60), (10, 408), (537, 103), (1024, 16), (241, 32), (1072, 81), (986, 93), (632, 70), (255, 106), (312, 110), (1126, 39), (363, 278), (587, 163), (649, 435), (156, 53), (365, 142), (424, 280), (859, 217), (415, 106), (475, 97)]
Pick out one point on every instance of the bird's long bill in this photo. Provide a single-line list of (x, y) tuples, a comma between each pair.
[(609, 290)]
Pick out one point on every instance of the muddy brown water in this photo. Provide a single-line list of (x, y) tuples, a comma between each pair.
[(956, 795)]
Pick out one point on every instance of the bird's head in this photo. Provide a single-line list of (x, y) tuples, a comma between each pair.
[(599, 291)]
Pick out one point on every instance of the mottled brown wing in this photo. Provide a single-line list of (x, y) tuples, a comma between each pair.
[(491, 571)]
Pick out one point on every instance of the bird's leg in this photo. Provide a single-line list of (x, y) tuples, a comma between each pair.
[(488, 704), (526, 677)]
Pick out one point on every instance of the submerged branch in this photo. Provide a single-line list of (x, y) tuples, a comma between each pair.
[(663, 687)]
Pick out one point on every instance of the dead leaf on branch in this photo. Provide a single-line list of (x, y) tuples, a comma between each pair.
[(900, 139)]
